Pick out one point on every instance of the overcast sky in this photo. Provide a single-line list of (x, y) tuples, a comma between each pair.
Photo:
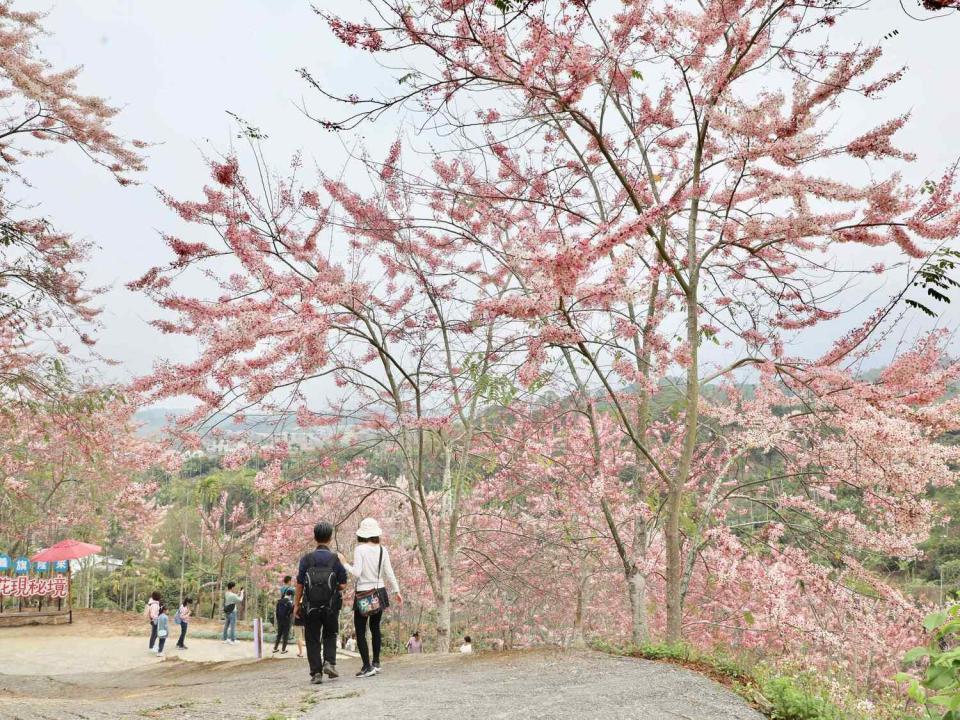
[(176, 67)]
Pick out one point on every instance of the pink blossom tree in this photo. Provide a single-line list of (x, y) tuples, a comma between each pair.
[(320, 286), (76, 471), (655, 178), (42, 285)]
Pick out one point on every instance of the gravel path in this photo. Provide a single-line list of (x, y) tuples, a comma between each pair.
[(523, 685)]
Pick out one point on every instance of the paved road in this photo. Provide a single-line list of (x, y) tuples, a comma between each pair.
[(545, 684)]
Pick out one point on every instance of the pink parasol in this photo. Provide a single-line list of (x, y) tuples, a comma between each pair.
[(66, 550)]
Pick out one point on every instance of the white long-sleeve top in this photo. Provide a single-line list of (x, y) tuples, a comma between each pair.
[(366, 556)]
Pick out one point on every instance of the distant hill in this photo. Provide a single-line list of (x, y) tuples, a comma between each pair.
[(255, 426)]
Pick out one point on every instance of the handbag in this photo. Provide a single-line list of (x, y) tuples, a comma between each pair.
[(370, 602)]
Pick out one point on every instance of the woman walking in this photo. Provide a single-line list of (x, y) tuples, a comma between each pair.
[(151, 612), (182, 618), (371, 565)]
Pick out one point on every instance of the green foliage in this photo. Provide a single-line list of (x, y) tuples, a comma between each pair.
[(782, 694), (937, 691), (934, 277), (792, 698), (494, 389)]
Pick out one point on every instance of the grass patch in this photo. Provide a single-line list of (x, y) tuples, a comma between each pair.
[(153, 712), (778, 696)]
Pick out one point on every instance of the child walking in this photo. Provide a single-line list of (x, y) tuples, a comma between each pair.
[(284, 614), (162, 630)]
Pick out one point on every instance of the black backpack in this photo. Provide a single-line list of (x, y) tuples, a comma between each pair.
[(320, 590), (284, 609)]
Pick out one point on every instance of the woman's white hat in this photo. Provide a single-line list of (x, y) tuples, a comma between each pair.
[(369, 528)]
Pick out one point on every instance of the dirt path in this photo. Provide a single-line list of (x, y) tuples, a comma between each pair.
[(535, 684), (540, 684), (99, 669)]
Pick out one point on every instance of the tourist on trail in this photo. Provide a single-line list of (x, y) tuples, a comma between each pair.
[(230, 602), (284, 615), (298, 631), (182, 618), (151, 611), (371, 564), (321, 579), (287, 585), (467, 647), (162, 630), (414, 644), (350, 644)]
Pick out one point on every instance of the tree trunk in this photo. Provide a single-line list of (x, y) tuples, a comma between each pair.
[(637, 587), (444, 611), (578, 640), (672, 541)]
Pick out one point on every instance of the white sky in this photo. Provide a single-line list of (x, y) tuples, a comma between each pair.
[(177, 66)]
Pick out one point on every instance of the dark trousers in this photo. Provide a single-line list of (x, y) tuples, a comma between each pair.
[(183, 633), (283, 633), (160, 644), (360, 625), (153, 634), (320, 636)]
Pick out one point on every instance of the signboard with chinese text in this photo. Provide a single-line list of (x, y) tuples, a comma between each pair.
[(28, 587)]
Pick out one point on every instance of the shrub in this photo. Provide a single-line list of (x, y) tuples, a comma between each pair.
[(938, 690)]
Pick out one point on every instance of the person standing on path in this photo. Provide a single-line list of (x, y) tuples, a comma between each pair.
[(371, 564), (321, 578), (287, 585), (151, 611), (230, 602), (182, 618), (162, 630), (415, 644), (284, 614), (298, 631)]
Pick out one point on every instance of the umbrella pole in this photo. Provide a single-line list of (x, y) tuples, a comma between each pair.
[(69, 593)]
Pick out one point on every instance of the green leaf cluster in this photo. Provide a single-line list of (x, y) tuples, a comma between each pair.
[(938, 689)]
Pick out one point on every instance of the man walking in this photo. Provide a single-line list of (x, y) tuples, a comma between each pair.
[(321, 579), (230, 601)]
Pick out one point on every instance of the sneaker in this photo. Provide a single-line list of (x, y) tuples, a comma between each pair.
[(316, 679), (366, 672), (153, 649), (376, 668), (160, 655), (183, 647), (226, 641), (330, 670), (283, 652), (276, 650)]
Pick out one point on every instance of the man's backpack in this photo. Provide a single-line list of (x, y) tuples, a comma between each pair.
[(320, 590), (284, 609)]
